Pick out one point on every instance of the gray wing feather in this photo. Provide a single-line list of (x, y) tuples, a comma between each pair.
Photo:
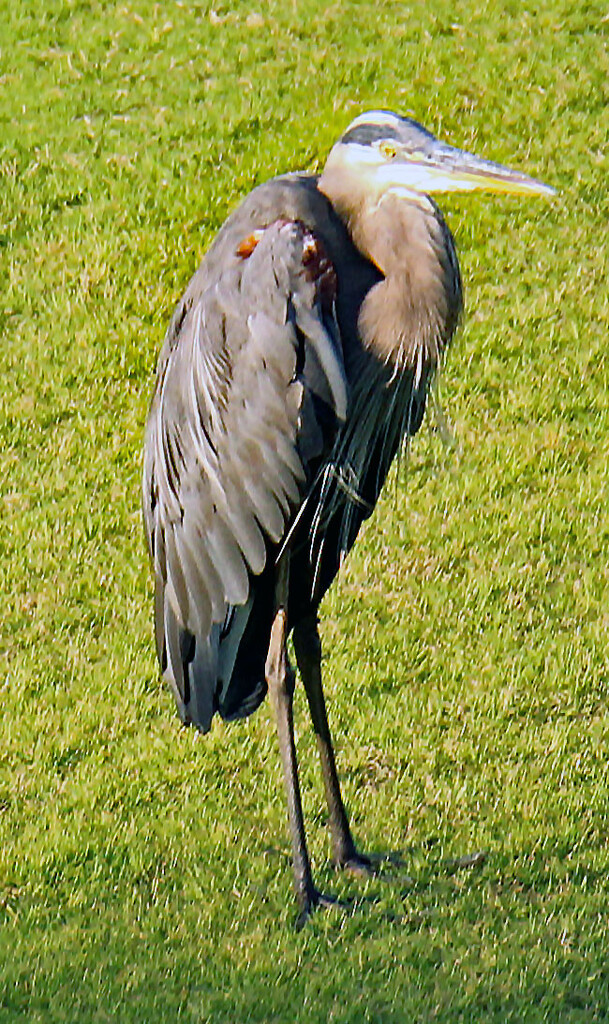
[(325, 345), (223, 467), (173, 652), (204, 666)]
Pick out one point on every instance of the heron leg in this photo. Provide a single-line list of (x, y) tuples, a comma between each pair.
[(307, 645), (281, 680)]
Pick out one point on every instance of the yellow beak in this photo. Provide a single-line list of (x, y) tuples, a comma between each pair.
[(441, 168)]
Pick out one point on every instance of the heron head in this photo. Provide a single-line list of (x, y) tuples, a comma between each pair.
[(386, 152)]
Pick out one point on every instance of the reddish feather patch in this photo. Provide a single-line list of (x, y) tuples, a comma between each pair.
[(247, 246), (318, 267)]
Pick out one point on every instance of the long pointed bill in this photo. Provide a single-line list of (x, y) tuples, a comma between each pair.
[(443, 168)]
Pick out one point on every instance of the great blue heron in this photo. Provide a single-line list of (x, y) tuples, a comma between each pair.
[(296, 363)]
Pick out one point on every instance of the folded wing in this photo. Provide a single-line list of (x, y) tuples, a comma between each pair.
[(250, 376)]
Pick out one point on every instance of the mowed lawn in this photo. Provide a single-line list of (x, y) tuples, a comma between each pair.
[(144, 873)]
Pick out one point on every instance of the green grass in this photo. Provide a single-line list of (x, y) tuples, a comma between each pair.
[(144, 874)]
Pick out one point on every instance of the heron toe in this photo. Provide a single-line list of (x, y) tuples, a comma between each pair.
[(357, 864), (315, 900)]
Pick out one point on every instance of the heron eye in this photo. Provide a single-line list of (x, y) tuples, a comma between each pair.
[(388, 150)]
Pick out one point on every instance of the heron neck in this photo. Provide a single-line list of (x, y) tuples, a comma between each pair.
[(409, 316)]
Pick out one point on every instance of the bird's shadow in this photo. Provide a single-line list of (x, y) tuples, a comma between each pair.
[(395, 867)]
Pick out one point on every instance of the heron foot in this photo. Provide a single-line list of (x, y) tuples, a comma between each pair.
[(356, 864), (315, 899)]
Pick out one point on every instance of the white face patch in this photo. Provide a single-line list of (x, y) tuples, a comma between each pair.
[(353, 154), (354, 163)]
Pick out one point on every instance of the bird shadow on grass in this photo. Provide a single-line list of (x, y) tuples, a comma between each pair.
[(394, 868)]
